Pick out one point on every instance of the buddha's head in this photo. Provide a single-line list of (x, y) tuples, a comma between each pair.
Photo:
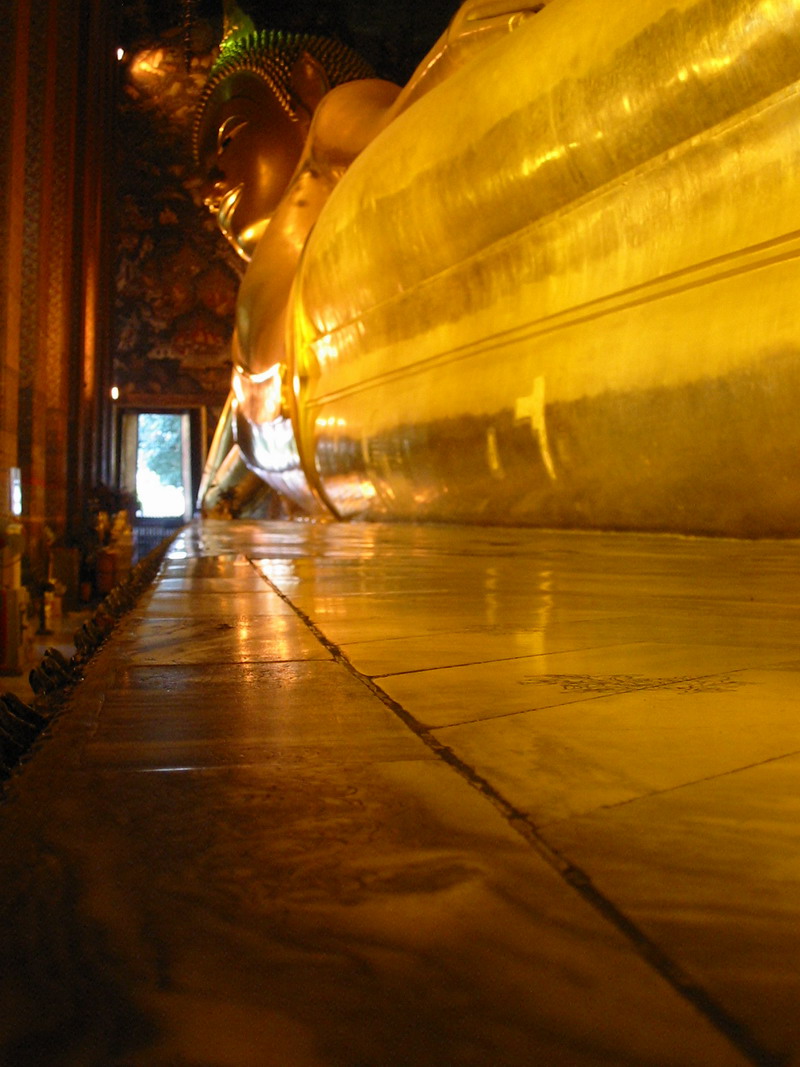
[(253, 119)]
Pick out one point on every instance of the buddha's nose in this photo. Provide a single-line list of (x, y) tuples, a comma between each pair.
[(214, 189)]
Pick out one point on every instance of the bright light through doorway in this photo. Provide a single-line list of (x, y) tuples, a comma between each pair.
[(161, 464)]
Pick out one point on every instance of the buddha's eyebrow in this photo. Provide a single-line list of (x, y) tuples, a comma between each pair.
[(228, 128)]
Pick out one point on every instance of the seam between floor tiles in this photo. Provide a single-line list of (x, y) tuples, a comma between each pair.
[(650, 687), (673, 974), (683, 785), (479, 662)]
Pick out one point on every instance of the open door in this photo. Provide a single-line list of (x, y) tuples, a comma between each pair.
[(159, 460)]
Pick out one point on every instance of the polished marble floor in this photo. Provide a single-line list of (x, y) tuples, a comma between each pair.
[(372, 796)]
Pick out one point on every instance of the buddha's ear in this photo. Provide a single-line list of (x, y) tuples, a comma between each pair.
[(309, 83)]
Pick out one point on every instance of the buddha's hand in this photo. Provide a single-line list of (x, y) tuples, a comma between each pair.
[(478, 22)]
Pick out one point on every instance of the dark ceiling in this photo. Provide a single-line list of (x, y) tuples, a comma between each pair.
[(392, 37)]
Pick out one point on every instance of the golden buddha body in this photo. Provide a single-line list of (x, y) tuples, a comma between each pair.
[(551, 282)]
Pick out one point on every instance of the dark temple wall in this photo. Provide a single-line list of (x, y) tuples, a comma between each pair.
[(53, 311)]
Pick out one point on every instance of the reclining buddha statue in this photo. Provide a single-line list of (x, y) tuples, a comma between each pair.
[(550, 281)]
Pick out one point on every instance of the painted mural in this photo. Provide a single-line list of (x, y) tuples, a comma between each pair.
[(176, 278)]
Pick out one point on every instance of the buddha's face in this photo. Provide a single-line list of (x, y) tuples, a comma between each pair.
[(249, 147)]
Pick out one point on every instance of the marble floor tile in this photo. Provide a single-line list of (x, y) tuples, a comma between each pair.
[(312, 912), (250, 582), (488, 690), (369, 624), (245, 639), (196, 716), (713, 871), (218, 565), (245, 604), (557, 762), (478, 644)]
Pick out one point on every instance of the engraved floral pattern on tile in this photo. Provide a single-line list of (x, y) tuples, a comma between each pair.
[(612, 684)]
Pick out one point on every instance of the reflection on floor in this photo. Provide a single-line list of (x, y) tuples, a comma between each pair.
[(368, 795)]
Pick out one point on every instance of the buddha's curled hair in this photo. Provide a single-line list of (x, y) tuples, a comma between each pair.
[(271, 55)]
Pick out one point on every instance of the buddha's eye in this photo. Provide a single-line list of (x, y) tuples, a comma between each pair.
[(228, 130)]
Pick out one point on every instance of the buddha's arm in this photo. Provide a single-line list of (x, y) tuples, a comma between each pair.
[(345, 122), (476, 24), (348, 118), (264, 292)]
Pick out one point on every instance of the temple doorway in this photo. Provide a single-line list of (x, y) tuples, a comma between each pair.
[(160, 464)]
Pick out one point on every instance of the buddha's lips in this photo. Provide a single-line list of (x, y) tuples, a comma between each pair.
[(227, 207)]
